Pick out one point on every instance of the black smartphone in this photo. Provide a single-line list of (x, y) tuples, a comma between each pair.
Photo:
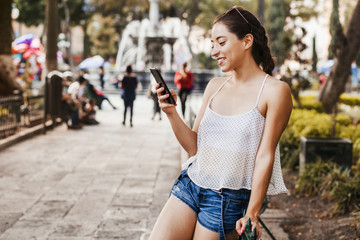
[(159, 79)]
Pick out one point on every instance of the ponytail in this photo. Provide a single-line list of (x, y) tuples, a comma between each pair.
[(261, 51)]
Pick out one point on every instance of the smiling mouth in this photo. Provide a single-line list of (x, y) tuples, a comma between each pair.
[(220, 61)]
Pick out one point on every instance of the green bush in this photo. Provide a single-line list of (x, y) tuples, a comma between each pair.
[(348, 99), (333, 183), (307, 123), (312, 177), (310, 123), (310, 102), (347, 195)]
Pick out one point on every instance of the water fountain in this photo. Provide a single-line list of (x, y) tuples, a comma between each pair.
[(148, 43), (153, 43)]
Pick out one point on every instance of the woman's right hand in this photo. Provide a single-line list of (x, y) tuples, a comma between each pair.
[(166, 107)]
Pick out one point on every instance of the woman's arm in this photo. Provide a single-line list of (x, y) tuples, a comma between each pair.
[(187, 137), (279, 107)]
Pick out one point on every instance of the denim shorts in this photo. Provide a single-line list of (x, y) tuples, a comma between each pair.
[(217, 211)]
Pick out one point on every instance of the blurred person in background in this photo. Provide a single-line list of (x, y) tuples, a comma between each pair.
[(184, 81), (128, 86)]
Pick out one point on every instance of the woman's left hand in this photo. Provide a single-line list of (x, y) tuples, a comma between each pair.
[(241, 225)]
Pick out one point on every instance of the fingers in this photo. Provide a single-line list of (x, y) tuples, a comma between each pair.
[(241, 226), (165, 106), (162, 97)]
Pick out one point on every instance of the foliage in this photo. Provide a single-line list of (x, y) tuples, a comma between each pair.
[(275, 23), (122, 11), (202, 13), (312, 177), (336, 30), (346, 194), (301, 123), (314, 56), (32, 12), (310, 102), (103, 35), (348, 99), (346, 54), (311, 123), (206, 62), (333, 183)]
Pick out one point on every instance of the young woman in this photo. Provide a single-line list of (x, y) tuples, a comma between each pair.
[(233, 145)]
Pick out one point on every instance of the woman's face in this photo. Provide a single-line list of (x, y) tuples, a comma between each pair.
[(227, 49)]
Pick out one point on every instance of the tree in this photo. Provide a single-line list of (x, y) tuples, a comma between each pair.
[(336, 30), (261, 10), (51, 34), (280, 24), (280, 41), (348, 50), (314, 55), (7, 69), (103, 35), (32, 12)]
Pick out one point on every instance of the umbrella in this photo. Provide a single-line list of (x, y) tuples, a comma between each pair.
[(324, 67), (92, 62)]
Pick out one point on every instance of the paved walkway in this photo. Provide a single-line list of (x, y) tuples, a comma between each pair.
[(100, 182)]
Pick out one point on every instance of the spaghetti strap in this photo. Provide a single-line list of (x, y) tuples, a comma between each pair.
[(262, 86), (219, 89)]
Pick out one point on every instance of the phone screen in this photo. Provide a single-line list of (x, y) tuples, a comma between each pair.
[(159, 79)]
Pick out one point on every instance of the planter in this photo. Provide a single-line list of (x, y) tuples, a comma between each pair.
[(338, 150)]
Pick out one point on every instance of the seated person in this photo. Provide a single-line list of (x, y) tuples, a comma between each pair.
[(71, 107), (98, 96), (89, 113)]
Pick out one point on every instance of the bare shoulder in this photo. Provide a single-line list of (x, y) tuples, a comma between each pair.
[(277, 92), (275, 87), (275, 83), (217, 81), (214, 85)]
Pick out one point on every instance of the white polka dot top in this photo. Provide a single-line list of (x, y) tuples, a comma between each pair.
[(227, 147)]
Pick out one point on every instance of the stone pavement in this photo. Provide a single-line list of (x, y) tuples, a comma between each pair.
[(101, 182)]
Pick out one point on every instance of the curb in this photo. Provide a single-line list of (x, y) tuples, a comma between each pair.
[(25, 134)]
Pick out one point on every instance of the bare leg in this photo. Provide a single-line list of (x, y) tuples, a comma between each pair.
[(203, 233), (176, 222)]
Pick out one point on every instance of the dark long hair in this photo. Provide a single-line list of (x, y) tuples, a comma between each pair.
[(129, 69), (247, 23)]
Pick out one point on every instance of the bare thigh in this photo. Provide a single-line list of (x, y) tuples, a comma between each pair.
[(203, 233), (176, 221)]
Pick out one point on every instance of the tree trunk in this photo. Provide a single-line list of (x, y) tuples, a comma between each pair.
[(51, 35), (261, 10), (68, 36), (335, 84), (7, 69)]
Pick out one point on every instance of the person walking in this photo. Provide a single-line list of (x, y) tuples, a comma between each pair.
[(184, 80), (128, 86), (101, 76), (235, 159)]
